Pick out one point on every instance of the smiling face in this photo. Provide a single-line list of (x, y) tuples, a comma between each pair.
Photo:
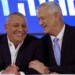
[(16, 29), (47, 20)]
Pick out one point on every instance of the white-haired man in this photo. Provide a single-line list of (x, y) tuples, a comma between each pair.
[(58, 43)]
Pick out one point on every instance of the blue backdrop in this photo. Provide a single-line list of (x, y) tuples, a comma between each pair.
[(29, 9)]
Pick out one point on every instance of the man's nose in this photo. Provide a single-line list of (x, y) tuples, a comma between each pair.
[(20, 29)]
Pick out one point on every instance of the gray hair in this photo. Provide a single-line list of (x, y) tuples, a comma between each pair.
[(52, 6)]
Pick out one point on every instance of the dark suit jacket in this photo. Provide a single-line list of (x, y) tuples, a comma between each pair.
[(31, 49), (67, 52)]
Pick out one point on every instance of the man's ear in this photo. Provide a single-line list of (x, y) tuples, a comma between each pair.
[(56, 15), (5, 26)]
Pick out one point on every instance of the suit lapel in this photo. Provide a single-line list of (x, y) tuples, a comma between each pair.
[(20, 55), (22, 52), (50, 50), (52, 54), (5, 50), (65, 44)]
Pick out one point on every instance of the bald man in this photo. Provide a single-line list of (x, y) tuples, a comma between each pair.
[(17, 47)]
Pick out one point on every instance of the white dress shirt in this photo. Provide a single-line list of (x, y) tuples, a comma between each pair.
[(14, 52), (59, 36), (57, 45)]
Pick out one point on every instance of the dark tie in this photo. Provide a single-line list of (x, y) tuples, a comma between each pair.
[(56, 50)]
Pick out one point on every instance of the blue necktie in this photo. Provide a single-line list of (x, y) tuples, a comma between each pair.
[(56, 50)]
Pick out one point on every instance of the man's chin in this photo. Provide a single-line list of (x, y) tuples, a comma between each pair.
[(19, 39), (46, 32)]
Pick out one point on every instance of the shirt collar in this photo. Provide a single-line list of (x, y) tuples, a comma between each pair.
[(11, 43), (60, 35)]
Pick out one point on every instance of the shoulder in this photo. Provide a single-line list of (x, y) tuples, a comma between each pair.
[(32, 39), (45, 37), (70, 27), (2, 36), (3, 39)]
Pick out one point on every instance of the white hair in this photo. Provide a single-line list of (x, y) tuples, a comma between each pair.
[(52, 6)]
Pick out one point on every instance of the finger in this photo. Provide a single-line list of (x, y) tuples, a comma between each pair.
[(31, 65), (4, 72), (32, 62), (15, 67)]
